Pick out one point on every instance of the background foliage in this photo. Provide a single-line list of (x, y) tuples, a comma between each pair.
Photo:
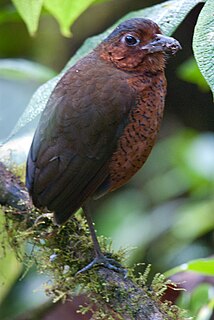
[(165, 214)]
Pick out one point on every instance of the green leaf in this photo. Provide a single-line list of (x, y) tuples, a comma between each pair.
[(206, 312), (66, 12), (9, 14), (189, 72), (202, 266), (30, 11), (168, 15), (198, 302), (100, 1), (203, 42), (24, 69)]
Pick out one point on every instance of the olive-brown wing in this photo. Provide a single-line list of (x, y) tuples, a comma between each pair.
[(76, 137)]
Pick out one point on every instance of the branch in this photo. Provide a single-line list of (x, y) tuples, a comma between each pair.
[(122, 296), (132, 301)]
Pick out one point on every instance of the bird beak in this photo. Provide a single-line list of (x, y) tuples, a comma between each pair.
[(162, 43)]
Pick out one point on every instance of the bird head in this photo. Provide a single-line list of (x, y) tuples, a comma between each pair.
[(138, 43)]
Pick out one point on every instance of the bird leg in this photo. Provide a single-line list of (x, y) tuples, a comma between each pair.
[(100, 258)]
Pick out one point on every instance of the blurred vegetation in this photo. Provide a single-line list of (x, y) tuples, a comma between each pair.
[(165, 214), (189, 71)]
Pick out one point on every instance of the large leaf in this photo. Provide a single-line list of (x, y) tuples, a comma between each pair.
[(24, 69), (202, 266), (168, 15), (29, 11), (66, 12), (203, 42)]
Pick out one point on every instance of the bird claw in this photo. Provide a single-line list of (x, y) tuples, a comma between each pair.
[(108, 263)]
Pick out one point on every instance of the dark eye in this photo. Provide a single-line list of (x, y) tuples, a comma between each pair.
[(131, 40)]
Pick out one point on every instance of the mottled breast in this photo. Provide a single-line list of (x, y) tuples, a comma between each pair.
[(138, 138)]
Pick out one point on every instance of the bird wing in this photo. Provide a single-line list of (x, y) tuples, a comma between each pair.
[(76, 137)]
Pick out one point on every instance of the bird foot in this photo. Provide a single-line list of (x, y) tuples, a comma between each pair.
[(106, 262)]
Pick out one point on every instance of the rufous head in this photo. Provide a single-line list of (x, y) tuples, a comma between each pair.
[(138, 43)]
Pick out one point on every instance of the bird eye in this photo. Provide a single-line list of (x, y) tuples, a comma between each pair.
[(131, 40)]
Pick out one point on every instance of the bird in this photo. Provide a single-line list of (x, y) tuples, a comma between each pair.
[(100, 124)]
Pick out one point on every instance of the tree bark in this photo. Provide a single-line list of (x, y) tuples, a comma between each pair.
[(133, 301)]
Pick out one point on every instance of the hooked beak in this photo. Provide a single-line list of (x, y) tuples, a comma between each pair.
[(162, 43)]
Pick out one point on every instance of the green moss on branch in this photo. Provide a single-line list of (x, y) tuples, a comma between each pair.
[(61, 252)]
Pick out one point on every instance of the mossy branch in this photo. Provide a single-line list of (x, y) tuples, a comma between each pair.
[(61, 252)]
